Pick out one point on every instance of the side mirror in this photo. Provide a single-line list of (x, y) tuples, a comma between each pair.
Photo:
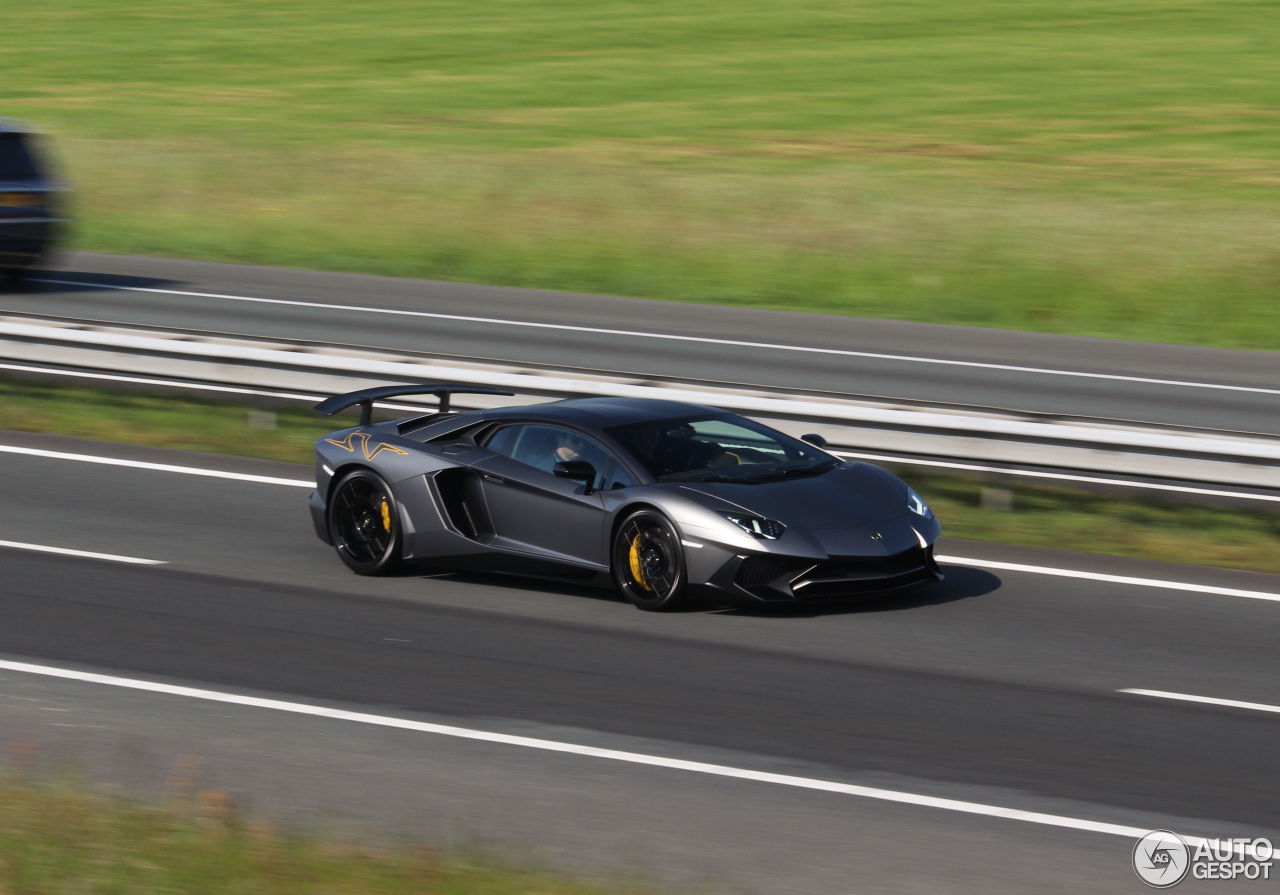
[(576, 471), (816, 440)]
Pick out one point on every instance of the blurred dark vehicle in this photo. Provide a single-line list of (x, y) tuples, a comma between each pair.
[(29, 200)]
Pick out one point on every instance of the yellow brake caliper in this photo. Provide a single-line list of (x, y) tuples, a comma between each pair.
[(386, 516), (637, 568)]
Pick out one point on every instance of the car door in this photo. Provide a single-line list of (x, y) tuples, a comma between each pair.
[(532, 510)]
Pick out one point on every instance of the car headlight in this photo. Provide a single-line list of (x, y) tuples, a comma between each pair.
[(757, 526), (917, 505)]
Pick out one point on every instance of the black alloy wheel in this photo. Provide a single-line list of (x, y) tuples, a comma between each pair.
[(364, 523), (648, 562)]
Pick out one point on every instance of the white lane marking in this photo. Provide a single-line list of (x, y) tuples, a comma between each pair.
[(883, 458), (202, 386), (1058, 476), (705, 340), (959, 560), (85, 554), (638, 758), (1112, 579), (169, 383), (1207, 700), (156, 467)]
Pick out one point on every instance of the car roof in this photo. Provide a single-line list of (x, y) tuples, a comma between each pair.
[(602, 413)]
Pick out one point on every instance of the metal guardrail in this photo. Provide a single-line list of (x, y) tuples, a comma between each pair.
[(1208, 457)]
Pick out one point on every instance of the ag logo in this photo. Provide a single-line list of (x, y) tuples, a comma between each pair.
[(1161, 859), (876, 536), (348, 444)]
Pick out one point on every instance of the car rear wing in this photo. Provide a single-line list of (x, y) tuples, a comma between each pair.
[(366, 397)]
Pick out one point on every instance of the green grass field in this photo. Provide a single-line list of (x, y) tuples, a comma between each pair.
[(1107, 167)]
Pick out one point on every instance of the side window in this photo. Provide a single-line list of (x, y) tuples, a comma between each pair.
[(542, 447), (504, 440), (618, 477)]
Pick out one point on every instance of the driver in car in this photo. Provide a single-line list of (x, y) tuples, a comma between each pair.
[(568, 447)]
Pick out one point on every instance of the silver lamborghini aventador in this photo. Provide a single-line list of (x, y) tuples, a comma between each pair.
[(657, 498)]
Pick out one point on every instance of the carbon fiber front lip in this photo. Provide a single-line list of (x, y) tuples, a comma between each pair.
[(864, 577)]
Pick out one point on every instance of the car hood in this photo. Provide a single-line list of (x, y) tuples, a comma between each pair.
[(846, 497)]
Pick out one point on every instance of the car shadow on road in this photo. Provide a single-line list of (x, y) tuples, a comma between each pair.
[(514, 582), (38, 280), (961, 583)]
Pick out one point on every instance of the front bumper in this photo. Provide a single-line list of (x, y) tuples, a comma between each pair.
[(782, 579), (23, 240)]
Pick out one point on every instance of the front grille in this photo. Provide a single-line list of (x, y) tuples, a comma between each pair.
[(757, 571), (848, 576)]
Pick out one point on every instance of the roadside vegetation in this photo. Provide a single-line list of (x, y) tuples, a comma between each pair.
[(1038, 515), (1101, 167), (1138, 526), (60, 839), (185, 421)]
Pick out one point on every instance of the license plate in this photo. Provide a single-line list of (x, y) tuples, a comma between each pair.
[(21, 200)]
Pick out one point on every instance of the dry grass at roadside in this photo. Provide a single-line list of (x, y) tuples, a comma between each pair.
[(1042, 515), (65, 839)]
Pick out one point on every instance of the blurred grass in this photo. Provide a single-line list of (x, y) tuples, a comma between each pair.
[(64, 839), (1091, 522), (1043, 515), (1104, 167), (164, 420)]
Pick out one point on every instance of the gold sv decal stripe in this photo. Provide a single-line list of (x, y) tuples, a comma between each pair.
[(348, 444)]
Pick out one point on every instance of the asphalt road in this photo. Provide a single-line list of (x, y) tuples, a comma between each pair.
[(997, 689), (926, 363)]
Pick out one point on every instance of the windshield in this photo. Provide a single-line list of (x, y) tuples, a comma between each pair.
[(720, 448), (16, 162)]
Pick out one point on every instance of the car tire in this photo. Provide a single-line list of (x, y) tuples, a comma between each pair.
[(364, 524), (648, 562)]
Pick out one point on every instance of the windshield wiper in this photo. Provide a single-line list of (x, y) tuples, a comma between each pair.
[(771, 475), (796, 472), (696, 476)]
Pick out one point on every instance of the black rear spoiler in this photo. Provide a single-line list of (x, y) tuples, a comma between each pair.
[(366, 397)]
